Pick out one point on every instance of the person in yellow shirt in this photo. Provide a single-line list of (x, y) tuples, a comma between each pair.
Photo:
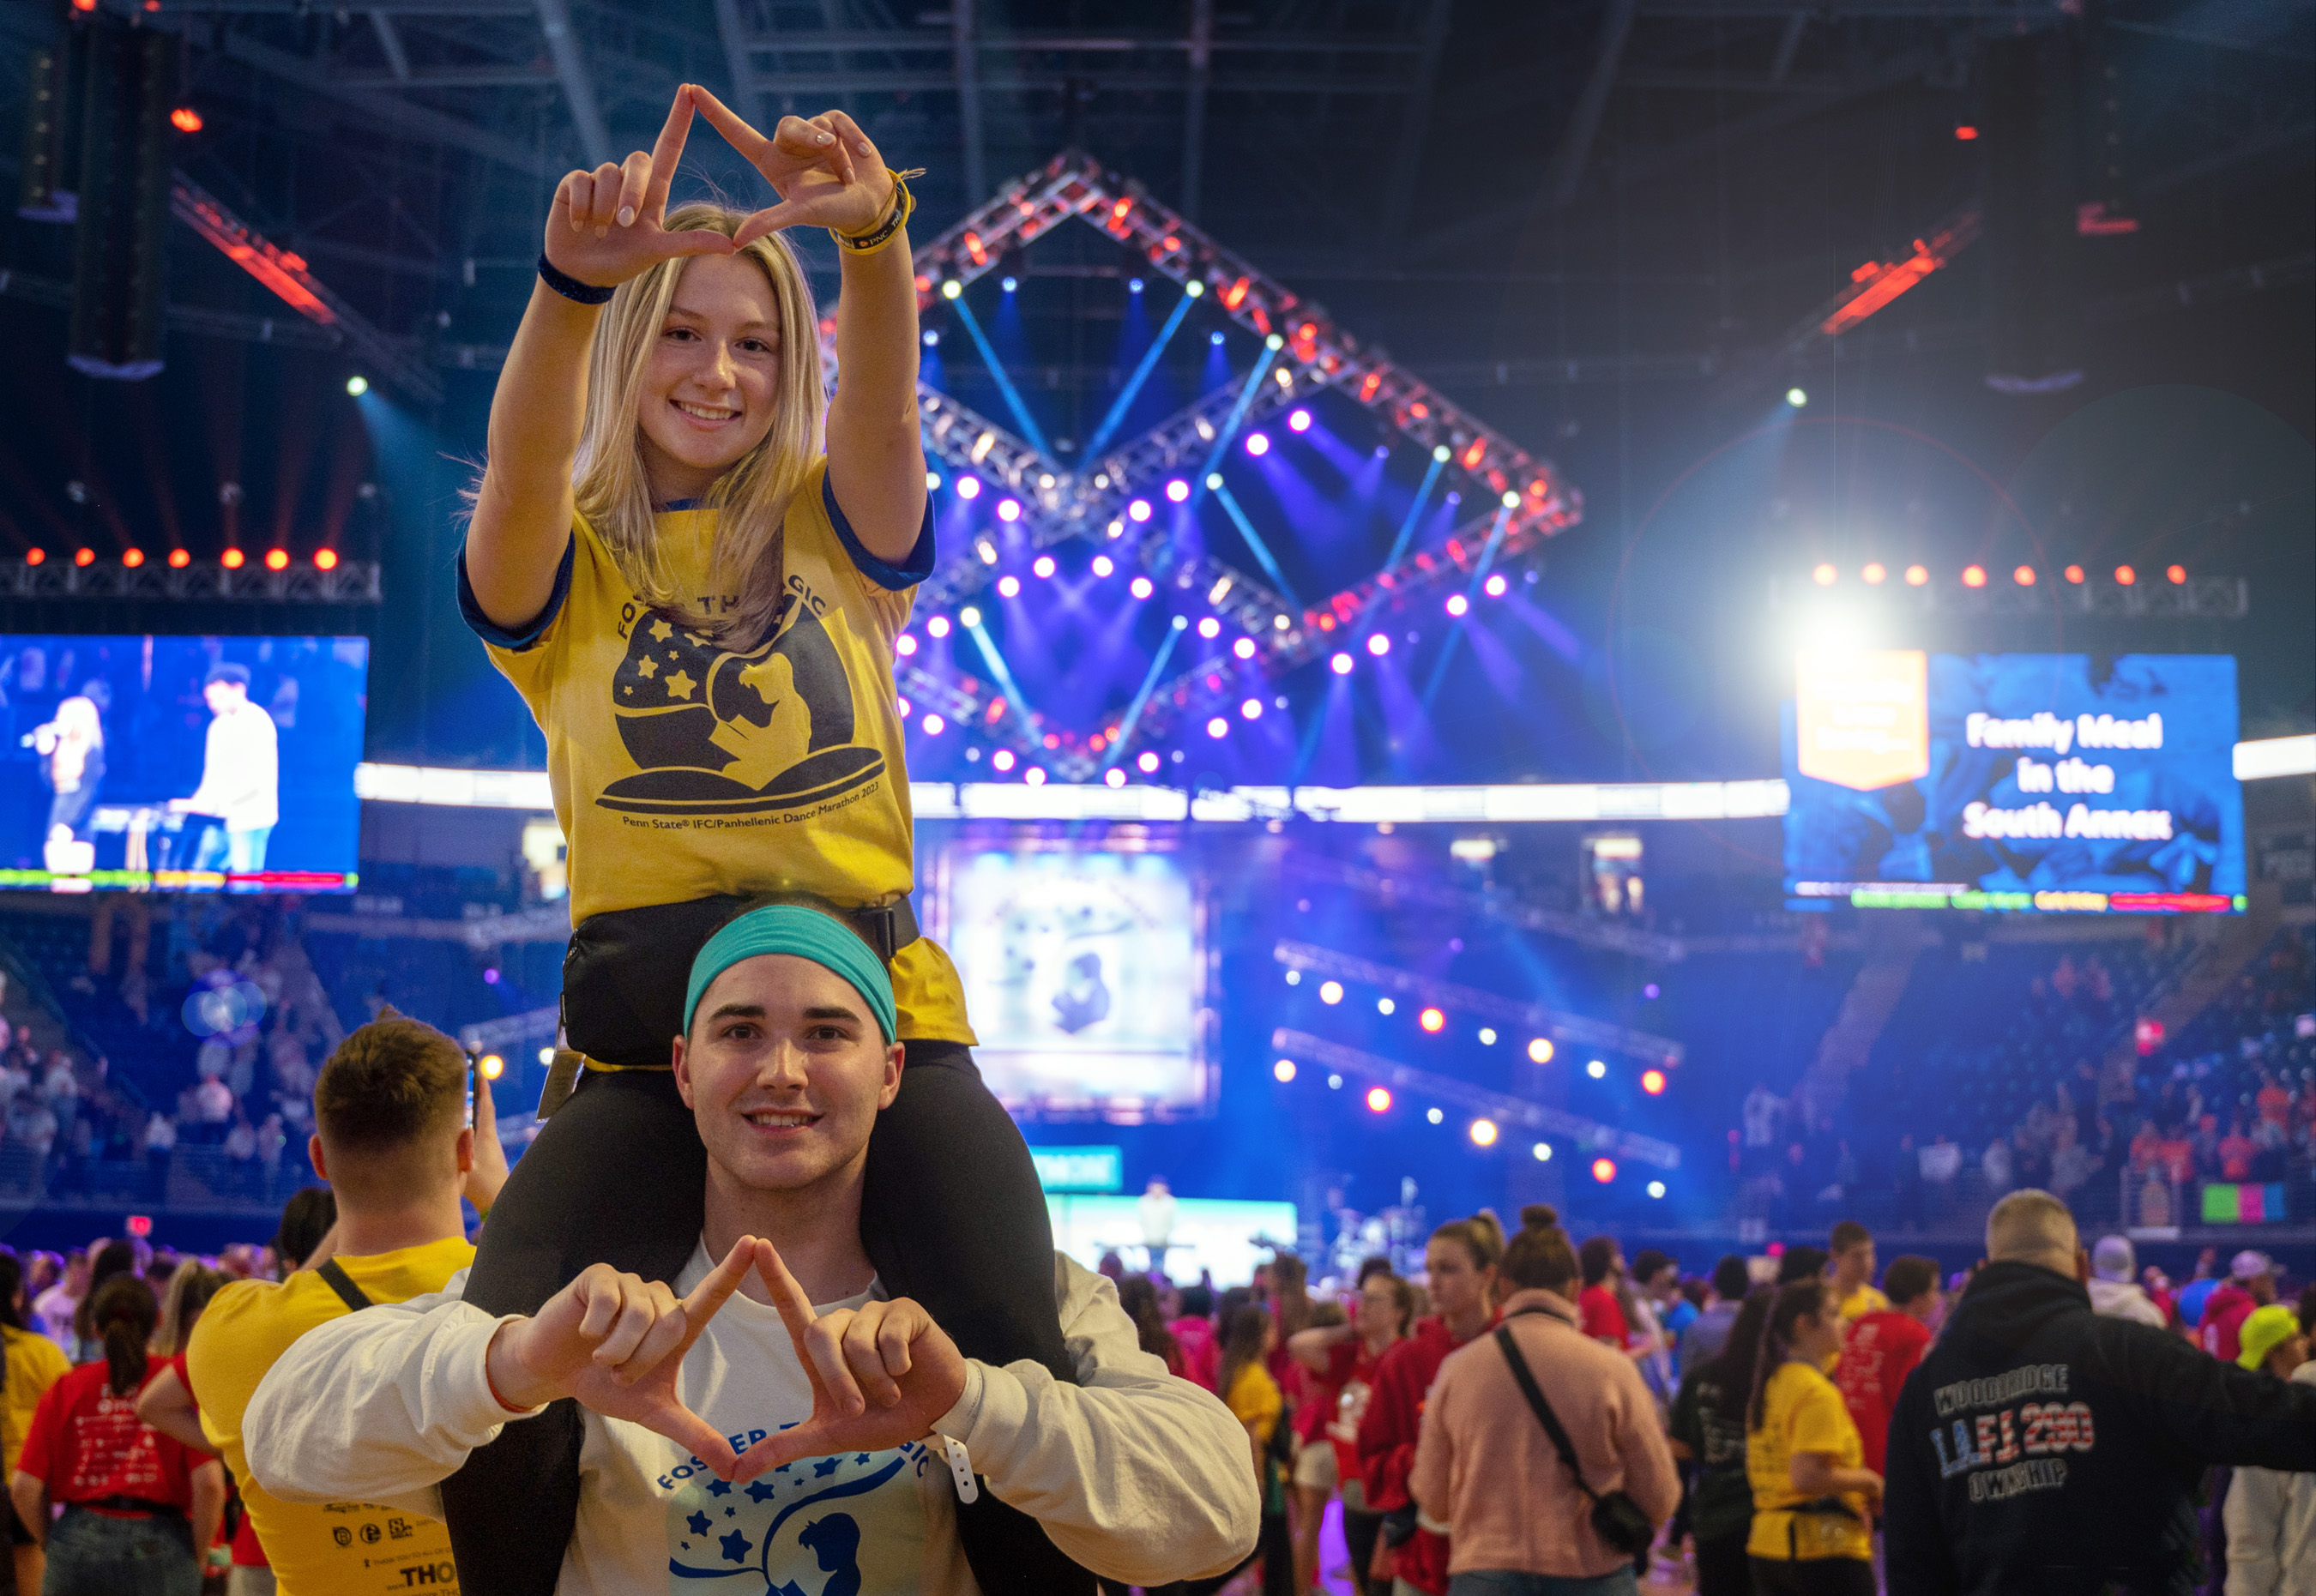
[(694, 566), (1812, 1499), (393, 1141), (31, 1364), (1851, 1246)]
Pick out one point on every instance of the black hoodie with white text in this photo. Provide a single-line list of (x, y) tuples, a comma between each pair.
[(2040, 1448)]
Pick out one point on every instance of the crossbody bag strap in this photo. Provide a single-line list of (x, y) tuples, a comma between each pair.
[(1542, 1409), (343, 1283)]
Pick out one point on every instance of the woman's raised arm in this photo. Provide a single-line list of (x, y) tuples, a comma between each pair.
[(603, 228)]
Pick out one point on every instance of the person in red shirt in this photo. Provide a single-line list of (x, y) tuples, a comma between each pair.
[(2236, 1151), (1460, 1266), (2273, 1102), (2250, 1284), (1881, 1348), (1339, 1363), (1194, 1333), (136, 1502), (1602, 1315)]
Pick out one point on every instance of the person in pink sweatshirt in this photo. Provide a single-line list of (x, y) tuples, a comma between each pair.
[(1484, 1464), (1194, 1332)]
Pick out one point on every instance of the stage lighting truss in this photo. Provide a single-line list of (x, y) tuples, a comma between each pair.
[(1589, 1135), (1061, 501), (2098, 598), (203, 582), (1533, 1017), (1417, 888)]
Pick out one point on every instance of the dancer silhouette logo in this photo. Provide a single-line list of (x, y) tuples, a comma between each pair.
[(718, 731)]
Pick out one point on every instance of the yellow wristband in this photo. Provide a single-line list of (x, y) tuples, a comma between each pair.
[(903, 204)]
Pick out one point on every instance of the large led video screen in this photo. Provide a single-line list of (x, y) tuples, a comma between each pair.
[(181, 764), (1084, 975), (2066, 783)]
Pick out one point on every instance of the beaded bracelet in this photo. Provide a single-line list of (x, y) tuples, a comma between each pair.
[(570, 286), (903, 204)]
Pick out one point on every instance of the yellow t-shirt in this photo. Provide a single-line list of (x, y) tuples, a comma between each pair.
[(34, 1363), (681, 770), (1803, 1412), (1254, 1399), (346, 1548), (1853, 1307)]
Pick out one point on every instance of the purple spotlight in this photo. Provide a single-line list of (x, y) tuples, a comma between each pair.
[(1103, 565), (905, 644), (968, 487), (1252, 709), (1002, 760), (491, 977), (1209, 628), (1009, 586), (1457, 604), (1008, 509), (1378, 644), (1243, 648), (1495, 585), (1043, 565), (1340, 664), (1139, 510), (1113, 777), (1140, 587), (1147, 763), (1257, 444), (1177, 490), (1218, 727), (938, 626), (1298, 421)]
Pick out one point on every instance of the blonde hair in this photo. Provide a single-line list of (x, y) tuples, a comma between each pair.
[(2031, 1226), (607, 482)]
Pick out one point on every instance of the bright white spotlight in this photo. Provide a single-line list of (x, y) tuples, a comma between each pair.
[(1435, 1116), (1298, 421), (1495, 586), (932, 339), (1252, 709), (1796, 398), (938, 626), (1008, 509), (1103, 565), (1331, 993), (1457, 604), (1274, 343), (1146, 762), (932, 481), (1656, 1188), (1483, 1133), (1543, 1152), (357, 385), (1002, 760), (1257, 444), (1245, 649), (1113, 777), (1378, 644), (1209, 628), (970, 615), (968, 487), (1385, 1006), (952, 288), (1340, 664), (1283, 1072), (1440, 453), (1218, 727), (1596, 1069), (1140, 586), (933, 724), (1009, 586), (1177, 489), (1009, 284), (1139, 510), (1487, 1036), (1194, 288), (1214, 480), (1042, 566)]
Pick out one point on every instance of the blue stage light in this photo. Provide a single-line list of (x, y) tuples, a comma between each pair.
[(932, 339), (1009, 284), (1214, 338), (1133, 284)]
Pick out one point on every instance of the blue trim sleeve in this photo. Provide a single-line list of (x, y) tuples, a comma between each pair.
[(480, 625), (893, 577)]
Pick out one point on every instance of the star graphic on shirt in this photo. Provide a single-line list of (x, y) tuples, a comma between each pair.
[(763, 1491), (735, 1546), (647, 668), (719, 1487), (679, 685), (863, 1458), (826, 1466), (662, 631), (697, 1523)]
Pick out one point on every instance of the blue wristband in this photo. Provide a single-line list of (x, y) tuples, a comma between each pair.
[(570, 286)]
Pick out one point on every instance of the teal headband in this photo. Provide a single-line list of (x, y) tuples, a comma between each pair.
[(807, 933)]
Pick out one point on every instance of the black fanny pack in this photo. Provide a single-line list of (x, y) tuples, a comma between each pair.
[(1616, 1519)]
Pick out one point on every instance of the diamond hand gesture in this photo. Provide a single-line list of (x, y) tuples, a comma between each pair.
[(880, 1374), (607, 225), (825, 171)]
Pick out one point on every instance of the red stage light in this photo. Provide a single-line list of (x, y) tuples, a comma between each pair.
[(231, 559), (2024, 576), (1379, 1099), (84, 4), (2176, 575), (325, 559), (2124, 576), (1965, 132), (277, 559), (1876, 573), (1235, 296), (1473, 456), (132, 558), (86, 556), (1824, 576), (1973, 576), (2075, 575), (1604, 1170), (34, 556), (1916, 575), (185, 119), (1652, 1082), (1432, 1020), (179, 559)]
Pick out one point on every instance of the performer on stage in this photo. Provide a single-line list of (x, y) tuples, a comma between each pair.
[(241, 775), (738, 1437), (71, 747), (699, 604)]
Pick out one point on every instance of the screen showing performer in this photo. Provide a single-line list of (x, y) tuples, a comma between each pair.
[(180, 763)]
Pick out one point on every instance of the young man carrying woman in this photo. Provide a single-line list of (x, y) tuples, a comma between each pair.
[(698, 605)]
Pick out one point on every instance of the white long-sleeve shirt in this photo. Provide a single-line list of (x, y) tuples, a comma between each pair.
[(241, 771), (1137, 1474), (2271, 1520)]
